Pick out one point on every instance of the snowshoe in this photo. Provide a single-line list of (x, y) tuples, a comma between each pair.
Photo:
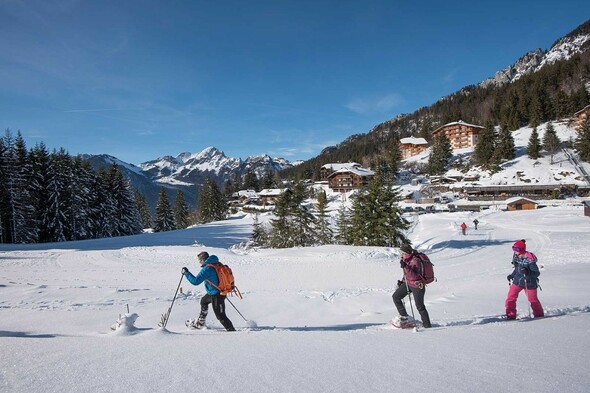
[(403, 322), (195, 324)]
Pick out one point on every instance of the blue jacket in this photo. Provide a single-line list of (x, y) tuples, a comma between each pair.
[(531, 273), (206, 273)]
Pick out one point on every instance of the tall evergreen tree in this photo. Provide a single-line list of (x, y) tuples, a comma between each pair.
[(440, 155), (505, 146), (268, 181), (484, 150), (376, 218), (344, 225), (582, 143), (551, 142), (534, 147), (82, 199), (181, 211), (303, 226), (281, 231), (58, 214), (127, 219), (324, 232), (144, 210), (259, 236), (164, 215), (211, 204), (251, 181), (39, 158)]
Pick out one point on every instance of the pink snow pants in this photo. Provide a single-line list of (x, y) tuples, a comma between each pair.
[(511, 302)]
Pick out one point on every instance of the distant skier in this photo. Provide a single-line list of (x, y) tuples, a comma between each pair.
[(208, 275), (412, 283), (463, 228), (525, 276), (475, 222)]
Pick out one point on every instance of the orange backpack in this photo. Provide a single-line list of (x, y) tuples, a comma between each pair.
[(226, 280)]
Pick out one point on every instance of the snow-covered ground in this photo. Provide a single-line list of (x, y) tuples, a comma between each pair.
[(322, 313)]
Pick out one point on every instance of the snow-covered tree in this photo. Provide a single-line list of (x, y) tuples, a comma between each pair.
[(144, 210), (181, 211), (376, 219), (534, 147), (323, 230), (211, 204), (440, 155), (343, 225), (582, 143), (164, 215), (551, 142)]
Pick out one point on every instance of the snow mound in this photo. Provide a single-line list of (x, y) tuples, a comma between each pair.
[(125, 325)]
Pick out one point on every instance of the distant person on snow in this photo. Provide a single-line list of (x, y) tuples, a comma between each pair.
[(525, 276), (410, 283), (463, 228), (475, 222), (209, 276)]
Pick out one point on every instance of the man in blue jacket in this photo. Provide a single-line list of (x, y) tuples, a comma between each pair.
[(209, 276)]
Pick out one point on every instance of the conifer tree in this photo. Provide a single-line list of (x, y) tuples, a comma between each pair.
[(484, 150), (551, 142), (534, 147), (582, 143), (39, 158), (127, 219), (440, 155), (324, 232), (58, 214), (164, 216), (505, 146), (211, 204), (281, 230), (344, 225), (181, 211), (376, 218), (144, 210), (259, 236), (268, 181), (251, 181), (303, 225), (82, 199)]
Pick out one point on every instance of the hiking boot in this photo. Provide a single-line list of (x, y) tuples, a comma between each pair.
[(195, 324), (403, 321)]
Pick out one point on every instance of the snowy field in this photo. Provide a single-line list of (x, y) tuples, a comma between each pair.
[(322, 313)]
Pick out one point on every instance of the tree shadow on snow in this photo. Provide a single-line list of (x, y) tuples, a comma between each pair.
[(4, 333), (469, 243), (217, 234)]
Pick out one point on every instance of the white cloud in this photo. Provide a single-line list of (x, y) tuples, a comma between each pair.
[(376, 105)]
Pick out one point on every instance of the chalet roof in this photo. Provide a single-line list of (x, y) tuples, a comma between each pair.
[(272, 191), (582, 110), (360, 171), (517, 199), (587, 203), (338, 166), (460, 122), (413, 141), (245, 193)]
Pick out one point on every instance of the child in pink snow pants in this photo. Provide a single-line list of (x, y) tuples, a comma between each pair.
[(525, 276)]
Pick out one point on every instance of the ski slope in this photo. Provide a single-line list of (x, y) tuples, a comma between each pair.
[(322, 313)]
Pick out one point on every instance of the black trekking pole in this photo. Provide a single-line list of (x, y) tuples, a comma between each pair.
[(165, 316), (230, 302)]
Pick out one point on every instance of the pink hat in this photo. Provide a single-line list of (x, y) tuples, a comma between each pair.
[(519, 246)]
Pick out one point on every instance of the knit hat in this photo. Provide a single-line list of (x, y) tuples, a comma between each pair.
[(519, 246), (406, 248)]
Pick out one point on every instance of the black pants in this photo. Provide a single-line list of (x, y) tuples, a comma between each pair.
[(418, 295), (218, 302)]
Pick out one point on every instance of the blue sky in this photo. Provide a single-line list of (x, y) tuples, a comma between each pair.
[(143, 79)]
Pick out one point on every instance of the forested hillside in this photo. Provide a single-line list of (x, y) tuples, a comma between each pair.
[(556, 91)]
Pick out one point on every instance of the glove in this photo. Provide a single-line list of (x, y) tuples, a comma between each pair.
[(402, 264), (184, 270), (399, 283), (509, 277)]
